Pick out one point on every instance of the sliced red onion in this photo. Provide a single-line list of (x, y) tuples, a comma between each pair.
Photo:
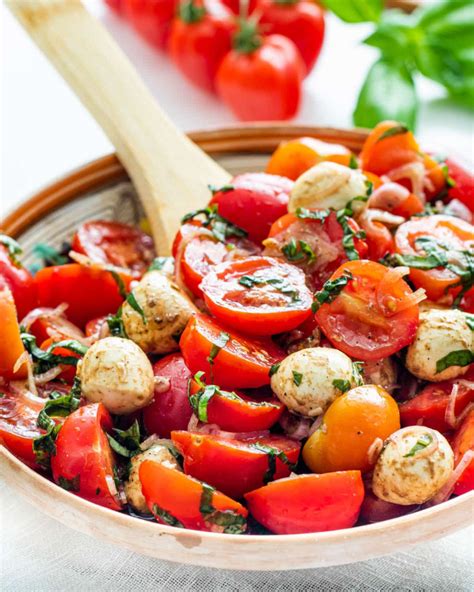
[(445, 492)]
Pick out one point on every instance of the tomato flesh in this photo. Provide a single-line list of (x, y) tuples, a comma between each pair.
[(11, 345), (462, 442)]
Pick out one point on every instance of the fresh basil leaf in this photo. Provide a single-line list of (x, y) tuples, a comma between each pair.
[(342, 385), (13, 248), (221, 341), (280, 284), (304, 213), (45, 445), (357, 373), (115, 323), (297, 377), (69, 484), (353, 164), (49, 255), (460, 357), (44, 360), (273, 454), (387, 93), (136, 307), (160, 263), (230, 521), (221, 228), (470, 321), (62, 405), (424, 441), (298, 251), (166, 517), (331, 290), (274, 369), (356, 11)]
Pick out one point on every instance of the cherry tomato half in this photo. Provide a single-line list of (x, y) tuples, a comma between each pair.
[(308, 503), (56, 327), (20, 281), (253, 358), (258, 295), (11, 345), (462, 442), (373, 316)]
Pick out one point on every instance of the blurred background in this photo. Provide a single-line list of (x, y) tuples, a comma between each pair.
[(47, 132)]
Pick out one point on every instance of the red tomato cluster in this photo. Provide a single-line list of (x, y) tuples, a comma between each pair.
[(256, 66)]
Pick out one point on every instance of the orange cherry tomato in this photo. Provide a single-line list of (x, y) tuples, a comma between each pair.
[(257, 295), (374, 315), (350, 427), (452, 233), (253, 358), (291, 159), (179, 500), (11, 345), (308, 503), (236, 466), (435, 176), (462, 442)]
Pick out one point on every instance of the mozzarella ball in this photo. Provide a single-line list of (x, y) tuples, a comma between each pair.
[(383, 373), (166, 311), (440, 332), (159, 452), (413, 466), (327, 185), (304, 381), (118, 374)]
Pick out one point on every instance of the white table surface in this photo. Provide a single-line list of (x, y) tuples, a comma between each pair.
[(46, 132)]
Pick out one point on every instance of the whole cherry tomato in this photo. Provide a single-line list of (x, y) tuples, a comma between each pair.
[(260, 79), (299, 20), (235, 6), (198, 42), (463, 183), (11, 345), (18, 279), (463, 442), (308, 503), (151, 18), (115, 5)]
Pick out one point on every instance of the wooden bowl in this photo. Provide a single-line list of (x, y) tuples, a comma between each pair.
[(101, 189)]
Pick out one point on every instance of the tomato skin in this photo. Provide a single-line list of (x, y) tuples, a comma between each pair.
[(252, 357), (375, 509), (232, 466), (302, 22), (115, 5), (89, 293), (198, 47), (234, 5), (266, 196), (429, 406), (260, 310), (308, 503), (94, 327), (462, 442), (180, 495), (11, 345), (464, 183), (170, 409), (20, 281), (57, 328), (455, 232), (82, 450), (378, 237), (116, 244), (151, 18), (362, 321), (265, 84)]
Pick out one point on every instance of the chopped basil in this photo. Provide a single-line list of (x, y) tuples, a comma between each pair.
[(357, 377), (44, 360), (460, 357), (470, 321), (320, 215), (349, 234), (224, 189), (220, 227), (160, 263), (136, 307), (231, 521), (297, 377), (119, 281), (281, 285), (341, 385), (273, 454), (297, 251), (353, 164), (61, 405), (274, 369), (422, 442), (222, 341), (126, 442), (393, 131), (70, 484), (115, 323), (331, 289), (13, 248), (45, 445), (49, 255), (166, 517), (200, 400)]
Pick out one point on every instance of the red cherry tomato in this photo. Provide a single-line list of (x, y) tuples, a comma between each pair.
[(258, 295), (20, 282), (88, 292), (308, 503), (252, 357), (151, 18), (429, 407), (452, 233), (11, 345), (378, 237), (94, 327), (266, 196), (179, 500), (234, 5), (236, 412), (235, 466), (115, 5), (198, 42), (170, 408), (84, 461), (462, 442), (260, 79), (300, 20), (463, 183), (373, 316), (114, 243)]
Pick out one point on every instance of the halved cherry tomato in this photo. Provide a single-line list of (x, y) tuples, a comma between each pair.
[(388, 146), (378, 237), (373, 316), (236, 466), (179, 500), (313, 246), (114, 243), (56, 327), (20, 281), (463, 183), (291, 159), (170, 409), (252, 357), (350, 427), (236, 412), (451, 233), (151, 18), (11, 345), (84, 461), (258, 295), (462, 442), (429, 407), (397, 199), (308, 503), (89, 292), (265, 196)]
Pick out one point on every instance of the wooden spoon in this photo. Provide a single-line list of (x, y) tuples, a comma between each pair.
[(170, 173)]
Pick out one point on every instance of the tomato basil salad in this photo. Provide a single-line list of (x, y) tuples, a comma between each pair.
[(303, 362)]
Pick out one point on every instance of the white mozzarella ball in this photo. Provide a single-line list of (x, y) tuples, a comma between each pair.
[(159, 452), (117, 373), (413, 466), (440, 333), (327, 185), (166, 311), (304, 381)]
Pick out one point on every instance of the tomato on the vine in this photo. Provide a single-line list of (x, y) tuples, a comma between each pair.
[(151, 18)]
